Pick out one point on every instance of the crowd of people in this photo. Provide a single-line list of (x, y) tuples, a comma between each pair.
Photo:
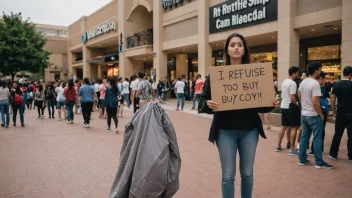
[(305, 109), (304, 106), (108, 96)]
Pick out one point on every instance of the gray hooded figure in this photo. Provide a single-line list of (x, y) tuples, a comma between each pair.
[(150, 161)]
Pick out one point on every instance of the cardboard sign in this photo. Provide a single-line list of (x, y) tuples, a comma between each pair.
[(242, 86)]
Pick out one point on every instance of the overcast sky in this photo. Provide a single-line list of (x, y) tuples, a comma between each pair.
[(52, 12)]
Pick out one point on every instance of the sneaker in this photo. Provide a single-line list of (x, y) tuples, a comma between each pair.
[(85, 126), (332, 158), (68, 122), (49, 117), (116, 131), (288, 145), (22, 125), (71, 122), (2, 125), (305, 163), (324, 165), (278, 149), (59, 119), (88, 125), (53, 117), (39, 117), (294, 152), (107, 130), (350, 160), (177, 109)]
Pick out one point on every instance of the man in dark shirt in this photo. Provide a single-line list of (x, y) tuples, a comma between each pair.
[(343, 91), (324, 108)]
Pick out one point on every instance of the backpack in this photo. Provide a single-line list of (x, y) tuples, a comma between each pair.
[(18, 99), (324, 105)]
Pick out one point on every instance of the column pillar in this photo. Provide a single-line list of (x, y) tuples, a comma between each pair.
[(86, 66), (288, 39), (69, 65), (159, 56), (204, 49), (125, 64), (346, 43)]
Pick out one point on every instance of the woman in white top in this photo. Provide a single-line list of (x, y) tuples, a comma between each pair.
[(61, 100), (126, 92), (4, 104)]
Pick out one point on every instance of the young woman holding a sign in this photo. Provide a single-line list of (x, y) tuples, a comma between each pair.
[(236, 129)]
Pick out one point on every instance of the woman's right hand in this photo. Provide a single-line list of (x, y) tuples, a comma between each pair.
[(213, 105)]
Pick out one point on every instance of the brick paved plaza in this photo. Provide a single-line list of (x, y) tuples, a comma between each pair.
[(50, 159)]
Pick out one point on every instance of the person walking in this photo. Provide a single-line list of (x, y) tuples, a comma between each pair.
[(4, 104), (234, 130), (60, 100), (111, 103), (179, 88), (25, 96), (102, 90), (122, 97), (144, 90), (87, 95), (17, 103), (290, 112), (71, 98), (40, 101), (342, 90), (50, 97), (312, 117), (198, 89), (126, 92)]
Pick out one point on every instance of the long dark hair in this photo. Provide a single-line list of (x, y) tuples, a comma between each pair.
[(40, 87), (113, 84), (245, 58), (3, 84), (70, 84)]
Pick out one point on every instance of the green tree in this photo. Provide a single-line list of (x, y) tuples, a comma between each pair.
[(21, 46)]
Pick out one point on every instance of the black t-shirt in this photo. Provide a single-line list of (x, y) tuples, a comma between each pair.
[(343, 92)]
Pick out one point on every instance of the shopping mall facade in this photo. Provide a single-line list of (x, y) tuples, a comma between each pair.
[(185, 37)]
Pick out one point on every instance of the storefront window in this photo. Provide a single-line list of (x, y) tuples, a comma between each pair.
[(113, 70), (265, 57), (218, 58), (330, 58), (324, 53)]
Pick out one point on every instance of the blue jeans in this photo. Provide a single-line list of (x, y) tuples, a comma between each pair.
[(17, 108), (127, 99), (311, 124), (69, 110), (180, 97), (4, 110), (228, 142), (194, 100)]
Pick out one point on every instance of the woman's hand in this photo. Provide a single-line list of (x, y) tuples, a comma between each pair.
[(275, 102), (213, 105)]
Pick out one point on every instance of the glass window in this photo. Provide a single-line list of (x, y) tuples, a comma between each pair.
[(323, 53)]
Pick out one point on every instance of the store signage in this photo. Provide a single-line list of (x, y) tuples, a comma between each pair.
[(234, 14), (111, 26)]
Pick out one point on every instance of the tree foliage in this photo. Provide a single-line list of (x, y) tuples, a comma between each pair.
[(21, 46)]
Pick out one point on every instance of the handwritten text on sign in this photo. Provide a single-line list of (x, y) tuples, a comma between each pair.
[(242, 86)]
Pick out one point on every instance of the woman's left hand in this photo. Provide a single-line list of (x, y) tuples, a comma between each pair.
[(275, 102)]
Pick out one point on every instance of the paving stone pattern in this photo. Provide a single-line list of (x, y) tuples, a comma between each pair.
[(51, 159)]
